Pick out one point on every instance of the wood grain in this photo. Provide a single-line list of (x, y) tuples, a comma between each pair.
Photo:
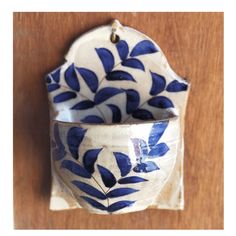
[(193, 44)]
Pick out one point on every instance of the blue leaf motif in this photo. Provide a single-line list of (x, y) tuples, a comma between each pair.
[(106, 93), (53, 87), (143, 146), (119, 205), (106, 58), (74, 138), (156, 132), (94, 203), (118, 75), (119, 192), (48, 79), (123, 162), (133, 63), (151, 166), (58, 154), (160, 102), (142, 114), (65, 96), (176, 86), (75, 168), (143, 47), (56, 75), (146, 167), (140, 148), (90, 158), (132, 100), (116, 113), (90, 190), (123, 49), (53, 144), (158, 83), (89, 77), (92, 120), (159, 150), (71, 78), (108, 178), (131, 180), (57, 136), (84, 105)]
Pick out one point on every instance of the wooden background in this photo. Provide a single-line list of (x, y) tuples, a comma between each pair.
[(193, 44)]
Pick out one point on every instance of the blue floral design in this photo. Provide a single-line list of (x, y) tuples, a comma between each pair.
[(145, 153), (84, 167), (58, 148), (128, 58)]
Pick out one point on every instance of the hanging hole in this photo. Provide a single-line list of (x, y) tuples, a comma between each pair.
[(114, 38)]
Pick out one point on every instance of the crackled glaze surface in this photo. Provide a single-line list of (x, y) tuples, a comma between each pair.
[(116, 129), (117, 168)]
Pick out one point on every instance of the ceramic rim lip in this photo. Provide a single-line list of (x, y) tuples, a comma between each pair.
[(173, 118)]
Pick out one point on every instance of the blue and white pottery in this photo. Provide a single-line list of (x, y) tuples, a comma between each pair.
[(116, 132)]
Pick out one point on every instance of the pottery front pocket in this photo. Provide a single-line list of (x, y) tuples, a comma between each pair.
[(117, 113)]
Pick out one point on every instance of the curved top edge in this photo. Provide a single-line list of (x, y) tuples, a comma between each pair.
[(70, 56), (173, 118), (109, 28)]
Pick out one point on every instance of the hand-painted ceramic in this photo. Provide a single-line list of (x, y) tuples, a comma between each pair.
[(115, 111)]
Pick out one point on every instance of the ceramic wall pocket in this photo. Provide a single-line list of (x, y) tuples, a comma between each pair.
[(117, 112)]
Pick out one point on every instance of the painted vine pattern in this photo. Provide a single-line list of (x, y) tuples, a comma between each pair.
[(128, 59), (84, 167)]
